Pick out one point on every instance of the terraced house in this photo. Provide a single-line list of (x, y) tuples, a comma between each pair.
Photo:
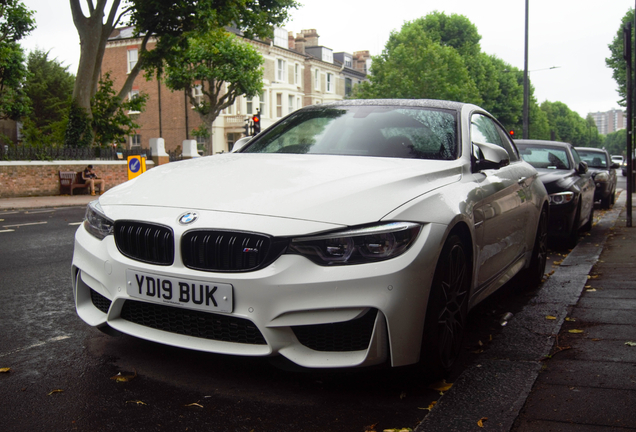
[(298, 71)]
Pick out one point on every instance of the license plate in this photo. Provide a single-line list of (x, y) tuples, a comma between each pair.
[(187, 293)]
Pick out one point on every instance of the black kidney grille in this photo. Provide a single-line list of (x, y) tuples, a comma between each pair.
[(192, 323), (100, 302), (226, 251), (353, 335), (149, 243)]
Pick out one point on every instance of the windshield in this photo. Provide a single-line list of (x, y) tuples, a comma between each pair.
[(545, 157), (380, 131), (594, 159)]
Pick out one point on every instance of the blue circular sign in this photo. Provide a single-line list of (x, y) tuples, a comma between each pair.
[(134, 165)]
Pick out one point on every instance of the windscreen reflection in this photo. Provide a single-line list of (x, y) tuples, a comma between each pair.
[(379, 131)]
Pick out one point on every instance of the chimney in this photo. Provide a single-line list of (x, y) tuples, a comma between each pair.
[(311, 37), (299, 43), (291, 40)]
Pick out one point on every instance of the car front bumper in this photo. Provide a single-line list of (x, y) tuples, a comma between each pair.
[(315, 316)]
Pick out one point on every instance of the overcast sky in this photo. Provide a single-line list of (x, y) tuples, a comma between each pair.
[(572, 35)]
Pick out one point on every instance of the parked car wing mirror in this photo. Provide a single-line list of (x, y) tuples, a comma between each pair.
[(491, 156), (615, 165), (240, 143), (582, 168)]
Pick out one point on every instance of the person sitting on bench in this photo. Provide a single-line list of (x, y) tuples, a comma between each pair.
[(90, 177)]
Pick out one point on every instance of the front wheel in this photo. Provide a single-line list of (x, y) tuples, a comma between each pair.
[(447, 308), (534, 273)]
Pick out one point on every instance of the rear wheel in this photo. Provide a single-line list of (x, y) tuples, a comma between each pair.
[(447, 308), (606, 202)]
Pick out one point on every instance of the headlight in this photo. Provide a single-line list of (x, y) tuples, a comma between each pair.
[(601, 176), (358, 245), (95, 222), (561, 198)]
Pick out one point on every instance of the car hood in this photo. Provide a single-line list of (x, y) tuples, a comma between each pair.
[(555, 180), (345, 190)]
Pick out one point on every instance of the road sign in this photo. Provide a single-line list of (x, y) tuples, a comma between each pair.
[(136, 166)]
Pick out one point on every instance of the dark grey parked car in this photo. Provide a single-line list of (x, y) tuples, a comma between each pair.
[(603, 172), (569, 185)]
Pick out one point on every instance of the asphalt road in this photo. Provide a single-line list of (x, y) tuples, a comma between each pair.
[(62, 371)]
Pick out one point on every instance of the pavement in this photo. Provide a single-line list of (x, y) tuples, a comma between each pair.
[(565, 362)]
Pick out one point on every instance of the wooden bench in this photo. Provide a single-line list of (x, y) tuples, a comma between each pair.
[(71, 180)]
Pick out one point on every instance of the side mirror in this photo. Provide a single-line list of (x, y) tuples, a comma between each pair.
[(582, 168), (490, 156), (615, 165), (240, 143)]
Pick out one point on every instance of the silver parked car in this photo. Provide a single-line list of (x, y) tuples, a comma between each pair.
[(347, 234)]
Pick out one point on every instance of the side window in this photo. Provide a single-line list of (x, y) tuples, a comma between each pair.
[(484, 130), (576, 157)]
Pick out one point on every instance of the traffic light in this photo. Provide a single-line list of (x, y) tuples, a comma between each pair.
[(247, 128), (512, 134), (256, 119)]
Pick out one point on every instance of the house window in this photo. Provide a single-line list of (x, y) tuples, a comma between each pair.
[(316, 79), (232, 137), (290, 104), (135, 140), (249, 106), (197, 94), (132, 58), (330, 83), (347, 62), (261, 104), (348, 87), (279, 104), (133, 94), (297, 74), (280, 70)]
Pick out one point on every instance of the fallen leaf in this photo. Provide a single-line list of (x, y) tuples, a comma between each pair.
[(557, 262), (430, 407), (123, 378), (596, 340), (592, 276), (138, 402), (441, 386), (398, 430), (55, 391), (195, 404), (588, 286), (4, 370), (575, 331), (591, 290), (550, 317), (481, 421), (570, 319), (631, 344)]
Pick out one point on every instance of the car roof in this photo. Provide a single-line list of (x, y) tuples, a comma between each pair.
[(592, 149), (543, 143), (424, 103)]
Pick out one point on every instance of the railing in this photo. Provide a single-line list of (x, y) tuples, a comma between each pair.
[(36, 153)]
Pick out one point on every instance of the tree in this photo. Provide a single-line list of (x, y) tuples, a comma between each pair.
[(220, 67), (615, 142), (16, 21), (414, 66), (112, 121), (49, 87), (167, 21), (565, 124), (616, 62)]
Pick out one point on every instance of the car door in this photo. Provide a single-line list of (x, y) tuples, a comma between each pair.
[(501, 212), (585, 184)]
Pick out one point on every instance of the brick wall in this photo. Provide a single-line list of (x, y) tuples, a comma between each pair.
[(21, 179)]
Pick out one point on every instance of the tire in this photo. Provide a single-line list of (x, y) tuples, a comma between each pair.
[(613, 199), (447, 309), (533, 275), (588, 225), (606, 203), (573, 236)]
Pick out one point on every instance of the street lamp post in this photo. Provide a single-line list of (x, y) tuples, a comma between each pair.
[(526, 121)]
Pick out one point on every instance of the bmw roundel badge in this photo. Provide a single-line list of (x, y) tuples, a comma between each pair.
[(188, 218)]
